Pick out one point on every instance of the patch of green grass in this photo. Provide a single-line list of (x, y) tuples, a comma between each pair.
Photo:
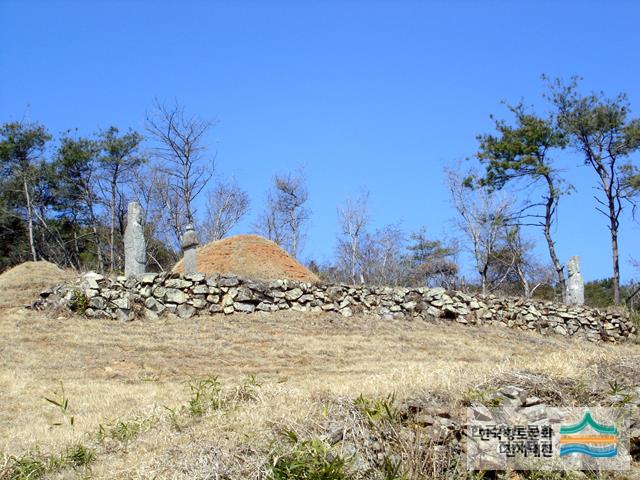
[(32, 466), (474, 395), (60, 400), (206, 394), (79, 302), (124, 431), (307, 460), (378, 409)]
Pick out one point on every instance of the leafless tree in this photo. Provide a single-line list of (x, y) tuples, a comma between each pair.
[(482, 218), (518, 253), (181, 148), (162, 212), (381, 256), (286, 212), (227, 203), (353, 218)]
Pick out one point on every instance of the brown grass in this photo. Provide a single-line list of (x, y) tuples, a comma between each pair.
[(249, 256), (130, 372), (20, 284)]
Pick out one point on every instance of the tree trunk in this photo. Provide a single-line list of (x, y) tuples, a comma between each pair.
[(113, 226), (613, 218), (27, 198), (548, 219)]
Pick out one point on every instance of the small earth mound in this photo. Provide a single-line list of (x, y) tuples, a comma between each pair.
[(21, 284), (249, 256)]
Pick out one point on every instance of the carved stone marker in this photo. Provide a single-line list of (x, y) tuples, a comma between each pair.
[(189, 242), (135, 250), (575, 283)]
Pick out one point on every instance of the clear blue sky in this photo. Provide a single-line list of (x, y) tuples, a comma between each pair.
[(379, 95)]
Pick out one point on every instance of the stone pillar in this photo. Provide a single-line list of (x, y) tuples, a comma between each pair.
[(575, 283), (135, 250), (189, 242)]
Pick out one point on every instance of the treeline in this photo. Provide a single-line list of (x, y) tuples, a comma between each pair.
[(64, 200)]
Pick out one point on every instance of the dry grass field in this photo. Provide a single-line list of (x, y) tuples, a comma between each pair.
[(137, 405)]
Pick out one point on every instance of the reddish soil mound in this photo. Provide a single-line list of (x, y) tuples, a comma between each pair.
[(249, 256)]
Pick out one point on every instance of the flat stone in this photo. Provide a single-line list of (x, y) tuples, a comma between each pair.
[(122, 303), (196, 277), (148, 278), (215, 308), (174, 295), (200, 290), (244, 307), (228, 281), (177, 283), (185, 311), (294, 294), (198, 303)]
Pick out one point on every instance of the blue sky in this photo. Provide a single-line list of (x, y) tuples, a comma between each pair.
[(375, 95)]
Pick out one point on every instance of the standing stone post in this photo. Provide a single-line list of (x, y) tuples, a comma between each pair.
[(575, 283), (135, 250), (189, 242)]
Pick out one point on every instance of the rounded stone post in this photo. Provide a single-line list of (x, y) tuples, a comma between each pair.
[(135, 250), (575, 283), (189, 242)]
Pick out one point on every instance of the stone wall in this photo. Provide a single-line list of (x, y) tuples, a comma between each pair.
[(152, 295)]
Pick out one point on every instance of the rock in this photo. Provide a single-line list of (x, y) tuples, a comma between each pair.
[(154, 305), (198, 303), (244, 307), (122, 302), (148, 278), (185, 311), (159, 292), (200, 290), (124, 314), (215, 308), (196, 277), (98, 303), (243, 294), (266, 307), (177, 283), (174, 295), (346, 312), (294, 294), (228, 281), (213, 298)]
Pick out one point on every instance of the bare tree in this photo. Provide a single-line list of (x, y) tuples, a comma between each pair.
[(286, 212), (227, 203), (181, 147), (600, 128), (353, 218), (118, 162), (518, 253), (482, 218)]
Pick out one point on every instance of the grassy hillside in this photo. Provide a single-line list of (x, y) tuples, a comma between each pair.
[(260, 395)]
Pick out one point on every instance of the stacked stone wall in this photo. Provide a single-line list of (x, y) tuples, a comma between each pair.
[(152, 295)]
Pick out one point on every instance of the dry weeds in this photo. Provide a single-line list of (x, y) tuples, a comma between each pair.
[(114, 372)]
